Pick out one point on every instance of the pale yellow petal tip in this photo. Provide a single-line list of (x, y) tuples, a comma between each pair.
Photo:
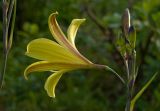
[(50, 93), (53, 14), (25, 74), (52, 96), (51, 83), (79, 21)]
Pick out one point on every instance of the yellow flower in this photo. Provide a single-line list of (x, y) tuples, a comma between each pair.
[(58, 57)]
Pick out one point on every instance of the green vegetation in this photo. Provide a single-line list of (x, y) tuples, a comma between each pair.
[(83, 90)]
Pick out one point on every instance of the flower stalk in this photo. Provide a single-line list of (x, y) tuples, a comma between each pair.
[(131, 65), (105, 67), (126, 45)]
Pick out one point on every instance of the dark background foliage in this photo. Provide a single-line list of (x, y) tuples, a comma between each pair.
[(87, 90)]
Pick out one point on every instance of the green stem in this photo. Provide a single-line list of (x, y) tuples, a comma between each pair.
[(110, 69), (128, 104), (131, 70), (127, 68), (134, 73), (5, 35), (3, 69), (7, 39)]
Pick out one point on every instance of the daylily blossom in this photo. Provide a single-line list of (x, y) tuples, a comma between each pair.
[(58, 57)]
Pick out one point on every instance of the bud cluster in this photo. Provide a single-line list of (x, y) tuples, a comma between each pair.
[(127, 38)]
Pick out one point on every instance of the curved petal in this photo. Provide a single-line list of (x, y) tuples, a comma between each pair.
[(56, 31), (52, 81), (50, 66), (61, 38), (38, 66), (72, 30), (47, 50)]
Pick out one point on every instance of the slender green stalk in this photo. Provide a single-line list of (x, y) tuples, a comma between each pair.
[(110, 69), (142, 91), (131, 80), (5, 32), (8, 15), (134, 71), (3, 69), (128, 104), (127, 68), (128, 87), (5, 35), (12, 25)]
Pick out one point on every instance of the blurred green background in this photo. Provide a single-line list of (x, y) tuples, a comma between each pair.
[(83, 90)]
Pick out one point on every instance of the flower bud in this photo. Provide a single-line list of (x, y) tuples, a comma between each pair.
[(126, 22)]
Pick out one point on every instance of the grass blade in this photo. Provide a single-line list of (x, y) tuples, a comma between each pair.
[(12, 26), (7, 43), (141, 91)]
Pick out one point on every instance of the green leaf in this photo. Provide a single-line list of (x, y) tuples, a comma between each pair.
[(141, 91), (120, 42)]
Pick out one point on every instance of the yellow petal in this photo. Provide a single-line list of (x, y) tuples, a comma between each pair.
[(61, 38), (47, 50), (56, 31), (50, 66), (72, 30), (52, 81)]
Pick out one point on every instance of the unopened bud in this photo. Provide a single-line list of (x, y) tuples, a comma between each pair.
[(126, 22)]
